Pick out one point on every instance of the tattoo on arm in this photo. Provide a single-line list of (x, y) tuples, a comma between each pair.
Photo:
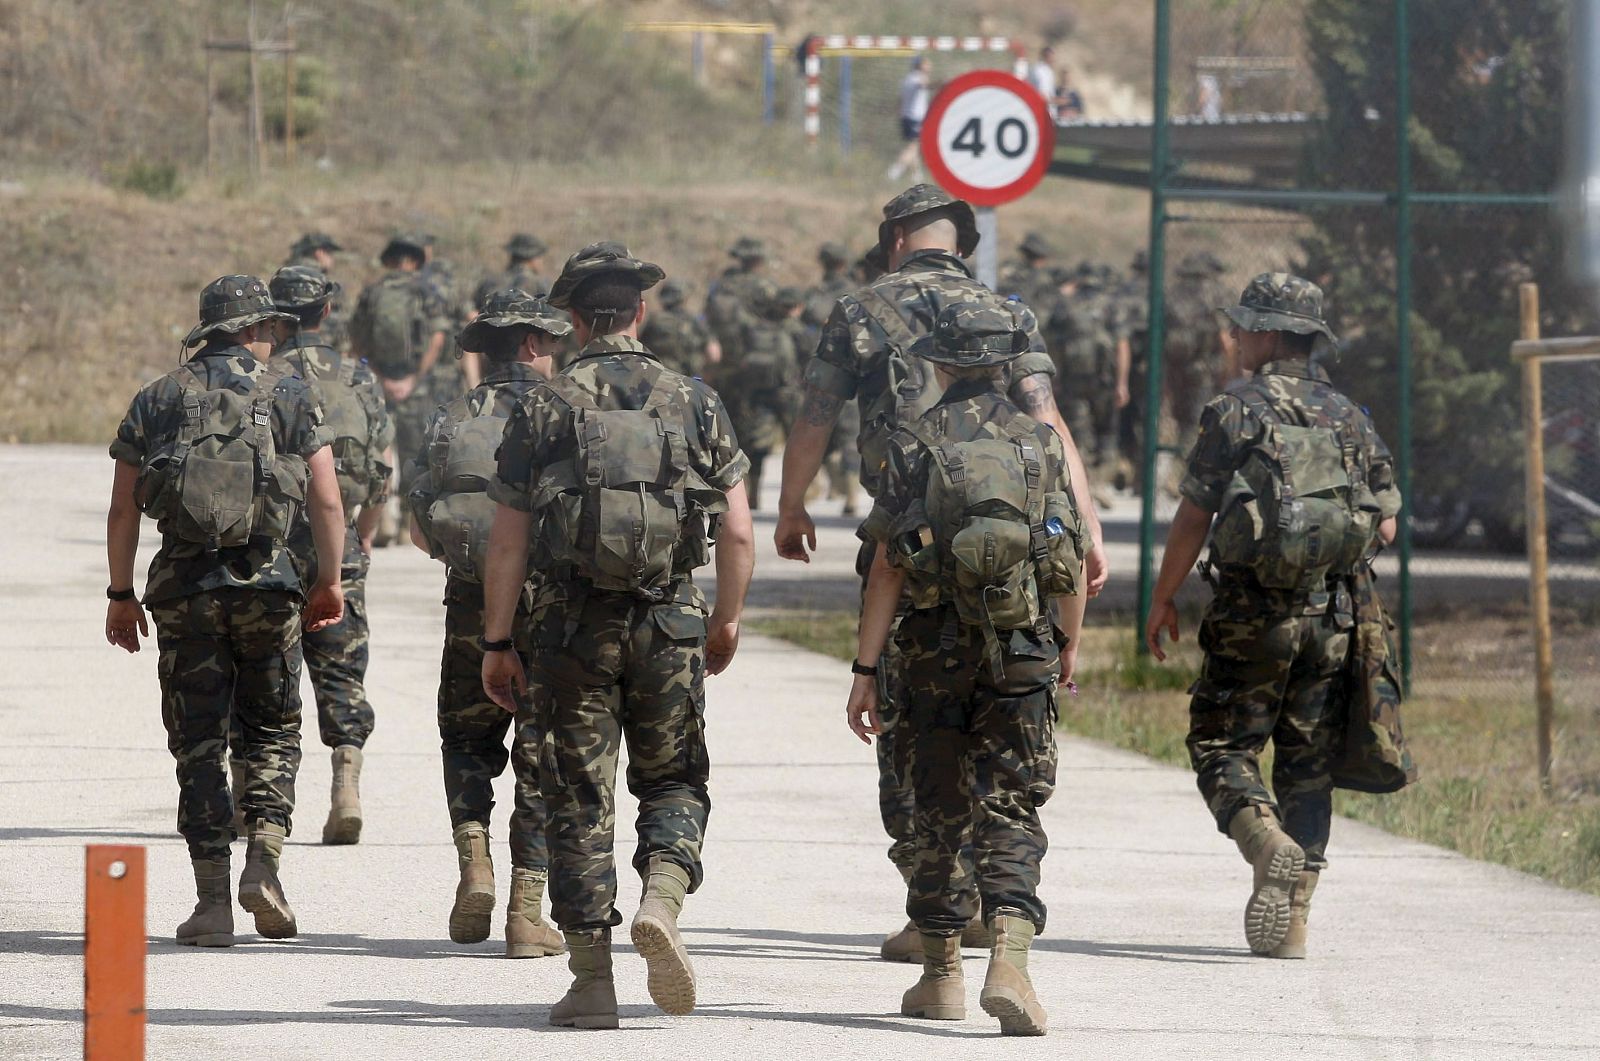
[(820, 408), (1033, 394)]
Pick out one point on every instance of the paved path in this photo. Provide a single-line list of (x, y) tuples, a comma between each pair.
[(1418, 953)]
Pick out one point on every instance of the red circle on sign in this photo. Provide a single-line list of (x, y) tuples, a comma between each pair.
[(946, 177)]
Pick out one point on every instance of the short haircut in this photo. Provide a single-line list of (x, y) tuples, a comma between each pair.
[(310, 317), (501, 344), (612, 298), (1300, 344)]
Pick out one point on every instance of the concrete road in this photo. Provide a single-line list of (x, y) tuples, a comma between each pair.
[(1418, 953)]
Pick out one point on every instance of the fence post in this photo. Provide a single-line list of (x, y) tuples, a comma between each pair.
[(846, 102), (769, 79), (1402, 42), (1538, 534), (113, 953)]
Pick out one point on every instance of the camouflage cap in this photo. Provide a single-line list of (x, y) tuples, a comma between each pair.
[(526, 245), (748, 248), (1037, 245), (671, 295), (775, 303), (296, 287), (1280, 302), (598, 259), (925, 199), (975, 334), (509, 308), (407, 243), (312, 242), (833, 255), (230, 303)]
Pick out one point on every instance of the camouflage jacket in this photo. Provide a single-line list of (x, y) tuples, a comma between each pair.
[(317, 362), (731, 303), (820, 300), (1300, 393), (969, 411), (181, 568), (620, 373), (503, 384), (853, 354), (677, 339)]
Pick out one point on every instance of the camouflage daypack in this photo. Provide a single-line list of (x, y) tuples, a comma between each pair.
[(628, 510), (348, 424), (221, 481), (1079, 339), (383, 327), (766, 359), (461, 461), (913, 387), (1299, 508), (987, 536)]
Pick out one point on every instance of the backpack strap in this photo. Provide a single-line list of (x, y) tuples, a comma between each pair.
[(194, 411), (894, 323), (1257, 403)]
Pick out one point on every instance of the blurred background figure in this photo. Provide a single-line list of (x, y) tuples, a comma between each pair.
[(913, 108)]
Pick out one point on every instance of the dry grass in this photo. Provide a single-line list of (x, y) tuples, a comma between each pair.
[(1479, 792)]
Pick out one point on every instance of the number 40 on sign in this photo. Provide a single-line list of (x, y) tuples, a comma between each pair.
[(988, 138)]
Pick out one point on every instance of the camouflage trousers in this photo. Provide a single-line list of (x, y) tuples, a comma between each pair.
[(473, 729), (337, 658), (983, 765), (410, 419), (896, 799), (230, 657), (1270, 673), (610, 668)]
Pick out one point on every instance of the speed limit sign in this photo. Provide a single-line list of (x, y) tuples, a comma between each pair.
[(988, 137)]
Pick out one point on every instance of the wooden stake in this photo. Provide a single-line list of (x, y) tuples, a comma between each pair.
[(113, 953), (1538, 532)]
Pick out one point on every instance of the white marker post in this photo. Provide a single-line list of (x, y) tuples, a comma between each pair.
[(988, 139)]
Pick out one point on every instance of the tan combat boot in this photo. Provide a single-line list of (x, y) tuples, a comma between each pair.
[(527, 934), (344, 805), (941, 994), (591, 1001), (655, 936), (1007, 993), (902, 946), (977, 935), (1277, 861), (259, 889), (237, 773), (469, 917), (1294, 941), (211, 924)]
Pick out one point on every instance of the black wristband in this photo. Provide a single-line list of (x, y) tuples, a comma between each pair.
[(503, 645), (863, 670), (120, 594)]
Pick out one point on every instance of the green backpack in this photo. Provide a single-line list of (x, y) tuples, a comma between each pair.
[(220, 481), (1299, 508), (348, 423), (628, 510), (988, 538), (383, 326), (455, 520), (913, 387), (765, 361)]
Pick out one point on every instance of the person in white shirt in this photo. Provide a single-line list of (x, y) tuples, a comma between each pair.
[(1042, 76), (913, 109)]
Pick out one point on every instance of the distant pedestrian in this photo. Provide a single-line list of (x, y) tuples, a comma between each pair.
[(913, 109)]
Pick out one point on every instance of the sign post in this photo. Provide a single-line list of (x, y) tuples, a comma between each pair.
[(988, 139)]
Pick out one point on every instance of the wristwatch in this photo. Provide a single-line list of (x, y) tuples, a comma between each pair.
[(863, 670), (505, 644), (120, 594)]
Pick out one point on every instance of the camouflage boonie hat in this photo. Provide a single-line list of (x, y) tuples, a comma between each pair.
[(1201, 263), (230, 303), (776, 303), (833, 254), (1037, 245), (975, 334), (923, 199), (526, 245), (598, 259), (312, 242), (1281, 302), (748, 248), (507, 309), (405, 243), (671, 295), (300, 287)]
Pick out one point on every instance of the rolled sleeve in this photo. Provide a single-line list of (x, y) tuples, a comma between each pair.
[(836, 369), (1213, 459), (725, 464), (512, 484), (132, 444)]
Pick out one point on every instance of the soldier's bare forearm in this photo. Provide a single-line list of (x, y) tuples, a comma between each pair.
[(431, 355), (326, 512), (803, 451), (122, 527), (884, 585), (1185, 539), (819, 408), (505, 570), (1035, 396), (736, 556)]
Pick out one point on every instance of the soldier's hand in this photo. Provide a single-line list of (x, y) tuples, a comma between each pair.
[(796, 535), (1123, 396), (1163, 615), (324, 607), (722, 641), (1096, 569), (862, 710), (398, 390), (504, 680), (125, 623)]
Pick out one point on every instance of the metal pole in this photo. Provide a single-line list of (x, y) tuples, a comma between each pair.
[(697, 56), (1156, 328), (1538, 534), (988, 263), (845, 98), (769, 80), (813, 92), (1402, 45)]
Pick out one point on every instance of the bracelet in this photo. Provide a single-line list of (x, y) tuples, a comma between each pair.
[(863, 670), (505, 644), (120, 594)]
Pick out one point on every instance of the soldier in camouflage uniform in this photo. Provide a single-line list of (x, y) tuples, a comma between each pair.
[(611, 664), (358, 429), (227, 611), (1133, 298), (842, 461), (1092, 358), (1196, 345), (678, 338), (316, 249), (865, 354), (759, 386), (524, 269), (1026, 275), (517, 335), (979, 704), (732, 297), (1275, 657)]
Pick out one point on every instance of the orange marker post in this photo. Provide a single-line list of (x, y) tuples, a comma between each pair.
[(113, 954)]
